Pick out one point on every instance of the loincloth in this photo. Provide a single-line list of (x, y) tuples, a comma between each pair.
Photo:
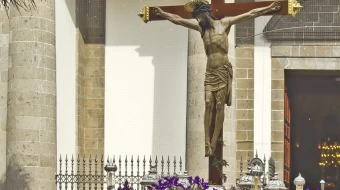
[(219, 81)]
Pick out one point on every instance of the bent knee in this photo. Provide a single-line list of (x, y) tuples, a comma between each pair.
[(219, 105), (208, 103)]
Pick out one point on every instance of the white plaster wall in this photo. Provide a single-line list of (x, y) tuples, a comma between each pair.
[(262, 90), (145, 82), (66, 59)]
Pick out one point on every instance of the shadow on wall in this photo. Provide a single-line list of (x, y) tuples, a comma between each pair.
[(166, 45), (16, 178)]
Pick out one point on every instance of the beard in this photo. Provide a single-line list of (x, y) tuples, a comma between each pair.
[(206, 24)]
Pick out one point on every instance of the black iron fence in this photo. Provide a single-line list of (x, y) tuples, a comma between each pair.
[(83, 173)]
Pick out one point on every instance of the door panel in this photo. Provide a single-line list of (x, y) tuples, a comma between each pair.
[(286, 139)]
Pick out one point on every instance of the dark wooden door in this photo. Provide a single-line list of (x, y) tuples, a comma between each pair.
[(286, 139)]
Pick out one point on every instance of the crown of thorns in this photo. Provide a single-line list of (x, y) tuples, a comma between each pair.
[(191, 5)]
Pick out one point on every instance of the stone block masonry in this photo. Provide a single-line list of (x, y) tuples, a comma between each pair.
[(31, 116)]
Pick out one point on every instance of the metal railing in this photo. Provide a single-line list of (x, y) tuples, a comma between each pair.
[(88, 172), (83, 173)]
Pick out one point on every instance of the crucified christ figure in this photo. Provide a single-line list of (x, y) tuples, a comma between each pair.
[(219, 72)]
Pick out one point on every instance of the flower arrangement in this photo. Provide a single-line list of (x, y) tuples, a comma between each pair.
[(171, 183), (125, 186)]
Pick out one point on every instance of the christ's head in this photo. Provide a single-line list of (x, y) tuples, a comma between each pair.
[(202, 13)]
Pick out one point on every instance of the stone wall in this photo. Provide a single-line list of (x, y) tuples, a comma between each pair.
[(90, 76), (4, 46), (244, 81), (245, 30), (94, 78), (310, 56), (244, 76)]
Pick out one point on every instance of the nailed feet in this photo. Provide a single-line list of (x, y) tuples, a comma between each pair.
[(208, 151)]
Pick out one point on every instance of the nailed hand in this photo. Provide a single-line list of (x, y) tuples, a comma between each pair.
[(275, 6), (157, 11)]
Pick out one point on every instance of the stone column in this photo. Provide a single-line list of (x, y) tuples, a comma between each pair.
[(196, 163), (31, 127), (4, 43)]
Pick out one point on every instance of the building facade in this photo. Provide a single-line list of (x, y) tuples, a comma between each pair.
[(90, 78)]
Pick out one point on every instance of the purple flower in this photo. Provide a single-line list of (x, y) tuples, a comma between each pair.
[(205, 185), (125, 186), (190, 179), (197, 180), (172, 182)]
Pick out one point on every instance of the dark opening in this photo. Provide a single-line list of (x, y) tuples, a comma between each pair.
[(314, 98)]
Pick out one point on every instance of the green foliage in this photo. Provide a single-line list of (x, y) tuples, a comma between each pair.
[(220, 162), (220, 141), (26, 5)]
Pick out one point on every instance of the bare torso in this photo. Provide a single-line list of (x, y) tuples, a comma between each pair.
[(216, 44)]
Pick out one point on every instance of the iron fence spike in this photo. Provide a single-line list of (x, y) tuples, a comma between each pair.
[(144, 161), (180, 163), (168, 165), (174, 165), (131, 165), (126, 163), (248, 159)]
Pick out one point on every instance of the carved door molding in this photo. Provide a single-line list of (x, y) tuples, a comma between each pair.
[(287, 121)]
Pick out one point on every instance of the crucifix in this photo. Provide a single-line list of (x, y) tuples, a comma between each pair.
[(214, 26), (221, 9)]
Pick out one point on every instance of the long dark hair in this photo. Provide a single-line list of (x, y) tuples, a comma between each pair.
[(204, 10)]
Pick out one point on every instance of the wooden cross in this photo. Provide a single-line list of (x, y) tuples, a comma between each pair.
[(221, 9)]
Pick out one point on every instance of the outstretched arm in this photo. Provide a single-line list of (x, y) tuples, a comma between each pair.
[(275, 6), (177, 19)]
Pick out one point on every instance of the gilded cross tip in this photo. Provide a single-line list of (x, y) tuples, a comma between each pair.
[(144, 14), (294, 7)]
